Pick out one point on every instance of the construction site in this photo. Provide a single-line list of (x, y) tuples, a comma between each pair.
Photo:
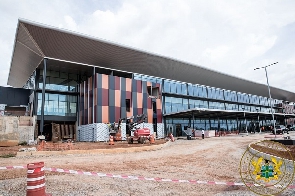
[(86, 116), (207, 166)]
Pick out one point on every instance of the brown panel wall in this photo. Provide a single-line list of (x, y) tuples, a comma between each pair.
[(139, 100), (117, 114), (128, 84), (105, 81), (105, 97), (150, 116), (105, 114), (104, 105), (117, 98), (117, 83)]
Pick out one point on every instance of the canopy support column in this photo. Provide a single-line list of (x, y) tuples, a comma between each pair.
[(43, 96)]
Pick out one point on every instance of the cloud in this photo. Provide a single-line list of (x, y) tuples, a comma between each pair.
[(229, 36)]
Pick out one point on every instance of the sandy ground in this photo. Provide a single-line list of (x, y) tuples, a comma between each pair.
[(211, 159), (82, 146)]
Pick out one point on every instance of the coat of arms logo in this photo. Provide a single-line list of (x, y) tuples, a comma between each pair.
[(267, 167)]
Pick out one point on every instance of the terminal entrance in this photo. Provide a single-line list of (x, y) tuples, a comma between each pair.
[(57, 130)]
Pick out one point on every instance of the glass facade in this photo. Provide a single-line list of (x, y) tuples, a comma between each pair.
[(59, 81), (179, 96), (58, 105), (60, 101)]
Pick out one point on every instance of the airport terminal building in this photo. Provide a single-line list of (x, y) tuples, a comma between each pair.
[(87, 82)]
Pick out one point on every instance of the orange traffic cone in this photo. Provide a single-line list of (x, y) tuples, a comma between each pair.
[(152, 139), (111, 140)]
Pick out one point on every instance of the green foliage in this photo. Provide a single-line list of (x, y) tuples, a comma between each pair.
[(23, 143), (7, 155)]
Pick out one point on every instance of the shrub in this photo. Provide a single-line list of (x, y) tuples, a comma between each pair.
[(7, 155), (24, 143)]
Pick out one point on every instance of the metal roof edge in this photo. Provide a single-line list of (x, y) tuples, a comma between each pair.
[(75, 33), (42, 25)]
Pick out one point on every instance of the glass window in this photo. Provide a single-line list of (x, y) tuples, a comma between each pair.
[(152, 79), (53, 97), (219, 94), (183, 89), (202, 91), (185, 104), (59, 105), (137, 76), (203, 104), (246, 98), (190, 89), (178, 88), (211, 93), (59, 81), (173, 87), (159, 80), (62, 97), (227, 95), (166, 86), (196, 90), (240, 97), (191, 104), (234, 96), (73, 108), (261, 100), (168, 107), (144, 78)]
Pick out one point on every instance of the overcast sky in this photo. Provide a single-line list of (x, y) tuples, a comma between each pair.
[(229, 36)]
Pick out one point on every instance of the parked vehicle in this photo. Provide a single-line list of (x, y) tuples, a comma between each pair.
[(292, 128), (279, 129)]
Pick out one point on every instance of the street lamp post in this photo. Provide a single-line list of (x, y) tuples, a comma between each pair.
[(273, 119)]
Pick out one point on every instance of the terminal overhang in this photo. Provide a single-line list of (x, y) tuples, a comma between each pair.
[(34, 42)]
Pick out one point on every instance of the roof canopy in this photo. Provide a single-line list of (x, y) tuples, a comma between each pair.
[(226, 114), (34, 42)]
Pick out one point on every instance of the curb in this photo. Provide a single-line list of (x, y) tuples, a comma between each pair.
[(95, 151), (265, 155)]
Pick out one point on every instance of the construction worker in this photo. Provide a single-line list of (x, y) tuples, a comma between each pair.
[(109, 126), (203, 133)]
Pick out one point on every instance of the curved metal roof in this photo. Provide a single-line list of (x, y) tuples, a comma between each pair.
[(33, 42)]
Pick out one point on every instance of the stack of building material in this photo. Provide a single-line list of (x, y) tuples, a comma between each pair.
[(67, 135), (62, 130), (72, 131), (2, 109), (55, 132)]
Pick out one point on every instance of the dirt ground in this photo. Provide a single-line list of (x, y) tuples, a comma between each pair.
[(5, 151), (212, 159)]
